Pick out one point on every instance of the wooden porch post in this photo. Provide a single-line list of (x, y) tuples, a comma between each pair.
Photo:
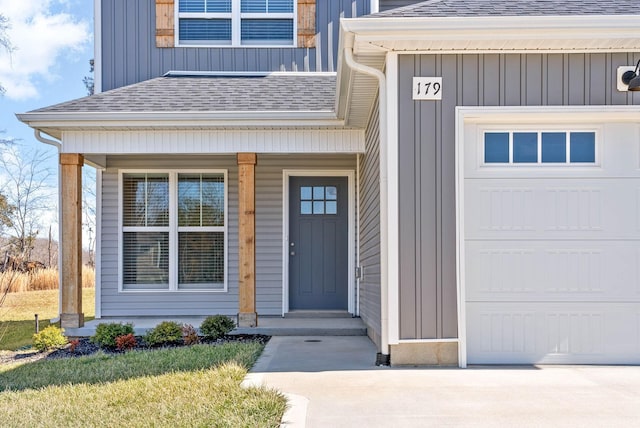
[(71, 315), (247, 316)]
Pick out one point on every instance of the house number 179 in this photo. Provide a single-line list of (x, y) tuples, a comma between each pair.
[(427, 88)]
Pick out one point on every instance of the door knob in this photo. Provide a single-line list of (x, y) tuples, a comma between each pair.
[(293, 253)]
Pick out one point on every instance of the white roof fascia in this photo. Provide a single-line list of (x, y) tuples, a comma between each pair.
[(617, 29), (180, 119)]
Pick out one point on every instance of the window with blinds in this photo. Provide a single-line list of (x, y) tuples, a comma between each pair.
[(236, 22), (200, 230), (174, 231)]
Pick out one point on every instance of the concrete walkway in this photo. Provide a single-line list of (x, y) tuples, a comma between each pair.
[(332, 382)]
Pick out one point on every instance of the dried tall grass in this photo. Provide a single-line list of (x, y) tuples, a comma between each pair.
[(40, 279)]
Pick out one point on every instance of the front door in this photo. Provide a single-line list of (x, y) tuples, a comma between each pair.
[(318, 243)]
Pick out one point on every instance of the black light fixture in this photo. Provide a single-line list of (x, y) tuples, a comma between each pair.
[(632, 78)]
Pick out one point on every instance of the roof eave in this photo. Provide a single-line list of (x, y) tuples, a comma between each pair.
[(584, 33), (50, 121)]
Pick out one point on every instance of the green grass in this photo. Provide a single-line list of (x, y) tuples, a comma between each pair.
[(17, 323), (192, 386)]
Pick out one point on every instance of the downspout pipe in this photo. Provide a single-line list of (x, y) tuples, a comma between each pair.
[(384, 199), (58, 145)]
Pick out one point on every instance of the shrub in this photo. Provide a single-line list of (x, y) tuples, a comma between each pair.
[(50, 337), (73, 344), (165, 333), (126, 342), (106, 333), (189, 335), (216, 326)]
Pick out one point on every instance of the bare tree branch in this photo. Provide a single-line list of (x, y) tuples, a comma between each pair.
[(5, 43), (27, 190)]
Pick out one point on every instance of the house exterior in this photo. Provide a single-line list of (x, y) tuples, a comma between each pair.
[(462, 175)]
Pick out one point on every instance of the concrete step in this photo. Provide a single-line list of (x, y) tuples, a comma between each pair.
[(317, 314), (306, 327)]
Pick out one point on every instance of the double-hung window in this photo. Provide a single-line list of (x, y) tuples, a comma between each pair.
[(174, 231), (236, 22)]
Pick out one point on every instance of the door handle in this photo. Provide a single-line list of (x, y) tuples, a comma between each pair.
[(293, 253)]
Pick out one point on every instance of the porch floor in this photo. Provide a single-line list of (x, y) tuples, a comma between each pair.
[(267, 325)]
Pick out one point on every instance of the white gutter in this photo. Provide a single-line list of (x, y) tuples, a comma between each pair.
[(192, 116), (58, 146), (384, 195)]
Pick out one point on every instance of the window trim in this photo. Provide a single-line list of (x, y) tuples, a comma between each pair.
[(173, 228), (236, 17), (539, 130)]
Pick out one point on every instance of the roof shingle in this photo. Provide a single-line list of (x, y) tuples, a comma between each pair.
[(272, 92)]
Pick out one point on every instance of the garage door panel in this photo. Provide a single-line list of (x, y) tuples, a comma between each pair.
[(552, 209), (606, 271), (567, 333)]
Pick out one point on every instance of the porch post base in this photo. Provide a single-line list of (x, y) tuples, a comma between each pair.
[(71, 320), (247, 319)]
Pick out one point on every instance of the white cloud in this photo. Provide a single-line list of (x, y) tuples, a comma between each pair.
[(42, 31)]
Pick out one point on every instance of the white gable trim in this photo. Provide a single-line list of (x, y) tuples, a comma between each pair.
[(221, 141), (586, 33)]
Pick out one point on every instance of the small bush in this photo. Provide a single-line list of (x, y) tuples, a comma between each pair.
[(73, 344), (189, 335), (165, 333), (126, 342), (50, 337), (216, 326), (106, 334)]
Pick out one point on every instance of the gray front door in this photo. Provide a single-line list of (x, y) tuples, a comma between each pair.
[(318, 243)]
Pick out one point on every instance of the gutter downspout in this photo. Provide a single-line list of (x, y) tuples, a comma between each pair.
[(384, 200), (58, 145)]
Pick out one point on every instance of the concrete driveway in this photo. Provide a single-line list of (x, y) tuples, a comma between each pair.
[(332, 382)]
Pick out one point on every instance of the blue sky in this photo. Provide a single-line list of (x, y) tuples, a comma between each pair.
[(53, 43)]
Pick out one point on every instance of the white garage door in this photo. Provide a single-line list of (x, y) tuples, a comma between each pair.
[(552, 244)]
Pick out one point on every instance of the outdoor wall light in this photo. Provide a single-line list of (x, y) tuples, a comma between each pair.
[(632, 78)]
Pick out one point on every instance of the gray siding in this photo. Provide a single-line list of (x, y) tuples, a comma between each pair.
[(268, 236), (392, 4), (129, 54), (369, 225), (428, 306)]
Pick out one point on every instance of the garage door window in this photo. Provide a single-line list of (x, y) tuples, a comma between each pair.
[(540, 147)]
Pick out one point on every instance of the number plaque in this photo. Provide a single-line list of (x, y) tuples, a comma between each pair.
[(427, 88)]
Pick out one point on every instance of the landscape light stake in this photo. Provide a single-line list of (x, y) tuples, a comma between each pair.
[(37, 324)]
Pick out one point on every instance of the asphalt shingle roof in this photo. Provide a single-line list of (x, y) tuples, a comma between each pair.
[(445, 8), (273, 92)]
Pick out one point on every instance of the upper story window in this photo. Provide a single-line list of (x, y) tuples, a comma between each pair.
[(236, 22), (554, 147)]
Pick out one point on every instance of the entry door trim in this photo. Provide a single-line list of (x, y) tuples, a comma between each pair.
[(351, 241)]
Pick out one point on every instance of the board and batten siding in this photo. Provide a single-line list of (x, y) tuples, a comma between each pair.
[(369, 225), (426, 139), (130, 55), (268, 235)]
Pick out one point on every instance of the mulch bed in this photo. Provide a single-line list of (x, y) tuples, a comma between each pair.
[(85, 347)]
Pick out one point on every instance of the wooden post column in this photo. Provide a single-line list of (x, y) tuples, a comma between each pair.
[(247, 315), (71, 315)]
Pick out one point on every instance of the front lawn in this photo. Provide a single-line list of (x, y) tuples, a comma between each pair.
[(17, 323), (178, 387)]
